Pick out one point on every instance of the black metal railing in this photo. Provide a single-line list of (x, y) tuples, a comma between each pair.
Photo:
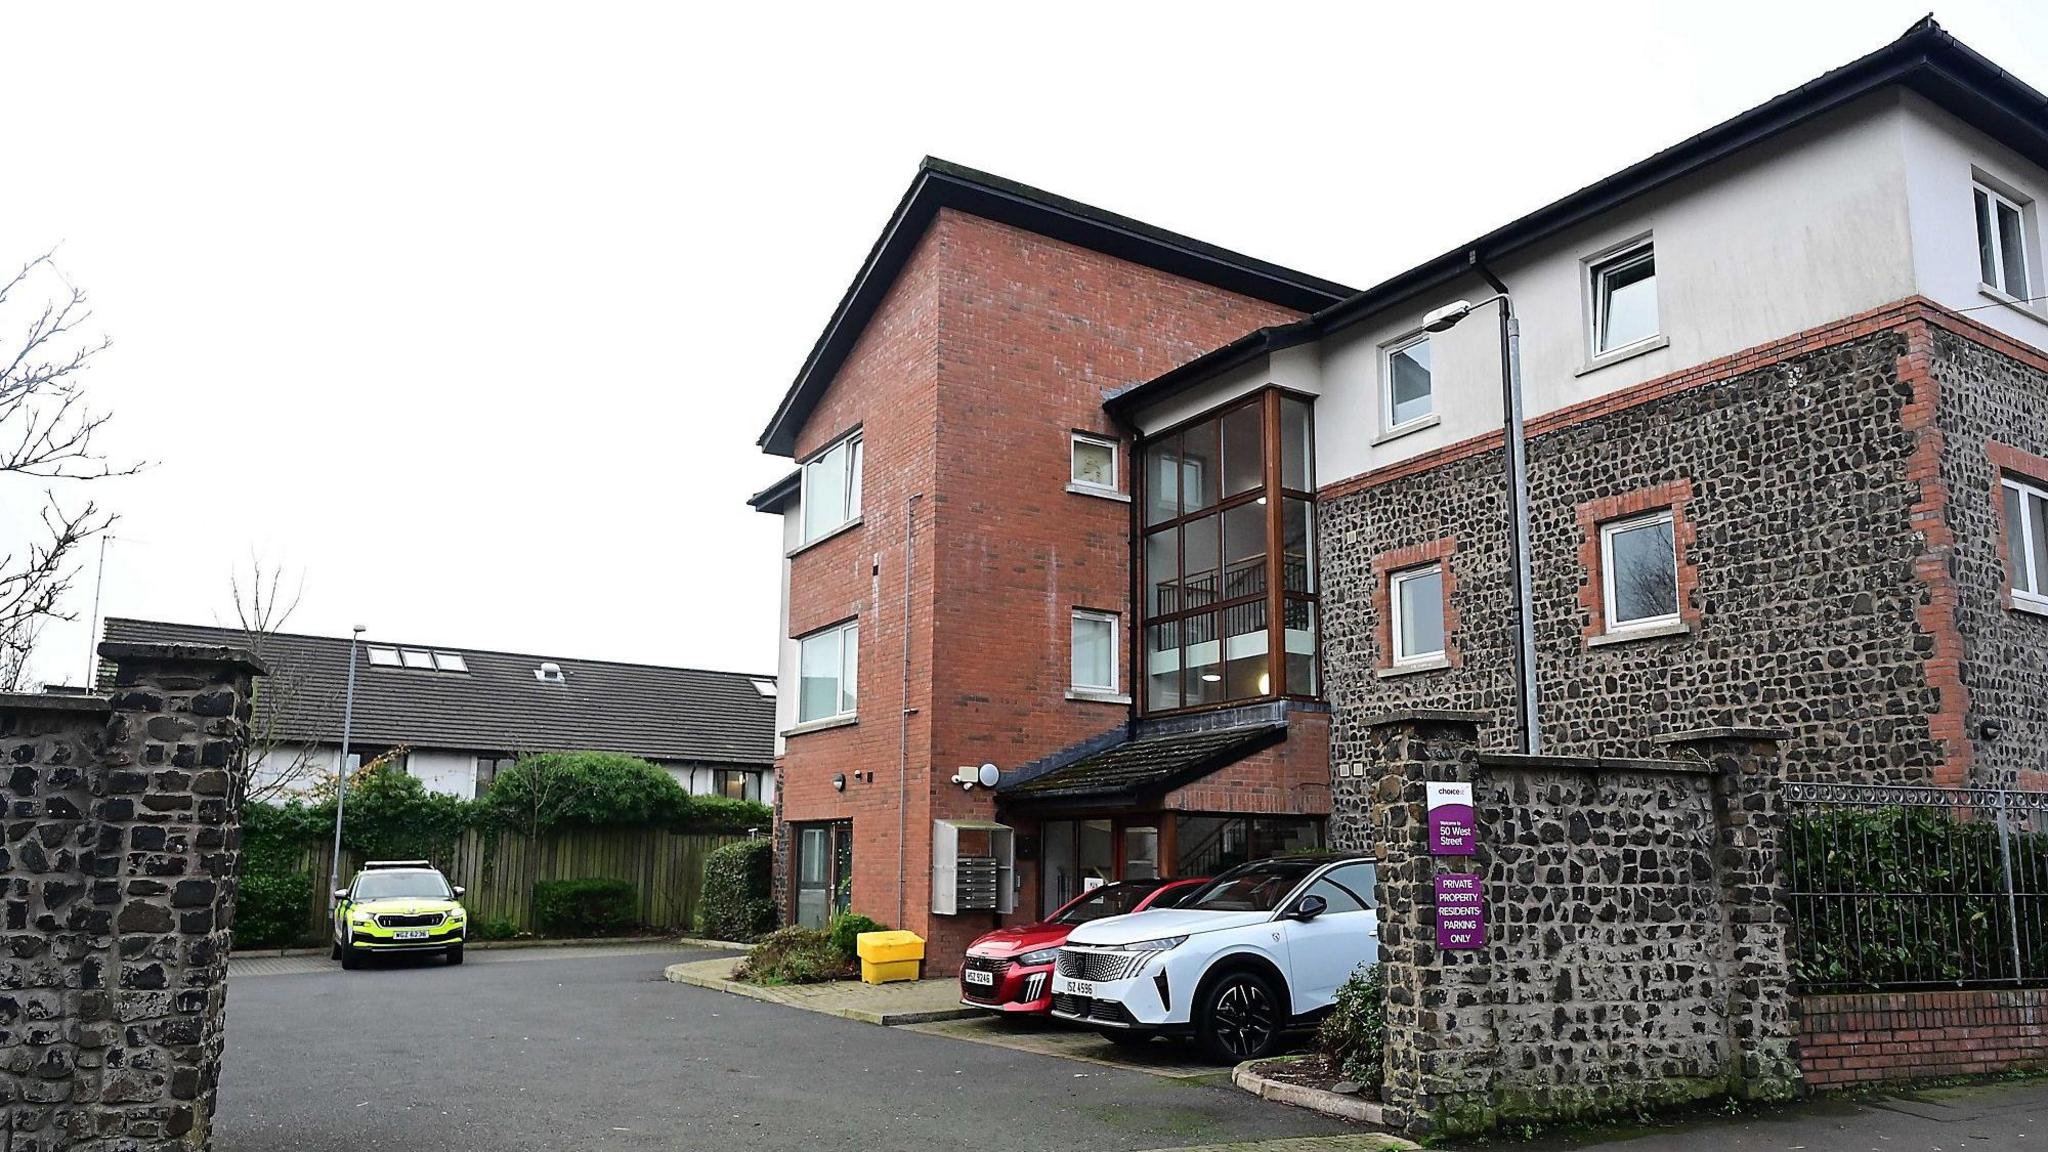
[(1906, 887)]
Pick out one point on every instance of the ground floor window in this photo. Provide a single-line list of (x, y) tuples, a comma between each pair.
[(734, 784), (1206, 845), (823, 871)]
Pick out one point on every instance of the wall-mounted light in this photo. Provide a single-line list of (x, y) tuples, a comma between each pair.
[(1211, 678), (839, 782)]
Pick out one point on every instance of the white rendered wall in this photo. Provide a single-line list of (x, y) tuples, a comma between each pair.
[(451, 772), (1944, 157)]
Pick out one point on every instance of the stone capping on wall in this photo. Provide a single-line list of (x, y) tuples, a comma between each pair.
[(1525, 762), (228, 657), (1422, 716), (44, 702)]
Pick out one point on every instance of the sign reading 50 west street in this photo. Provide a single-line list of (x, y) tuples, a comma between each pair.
[(1451, 824)]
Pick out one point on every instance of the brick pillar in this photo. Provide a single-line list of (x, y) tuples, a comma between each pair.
[(118, 881), (1756, 960), (1441, 1047)]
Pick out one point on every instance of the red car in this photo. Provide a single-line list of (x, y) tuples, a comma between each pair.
[(1010, 970)]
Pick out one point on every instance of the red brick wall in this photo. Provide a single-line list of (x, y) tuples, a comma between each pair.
[(993, 345), (1291, 778), (1866, 1038)]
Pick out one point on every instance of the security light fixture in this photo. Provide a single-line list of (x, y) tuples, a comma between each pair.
[(1445, 318)]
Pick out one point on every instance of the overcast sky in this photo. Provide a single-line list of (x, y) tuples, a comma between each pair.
[(468, 315)]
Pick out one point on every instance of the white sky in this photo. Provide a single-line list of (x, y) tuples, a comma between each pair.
[(469, 314)]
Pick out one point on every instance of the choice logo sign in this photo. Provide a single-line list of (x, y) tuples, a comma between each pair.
[(1452, 830)]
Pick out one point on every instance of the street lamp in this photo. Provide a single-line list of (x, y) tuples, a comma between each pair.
[(348, 719), (1442, 320)]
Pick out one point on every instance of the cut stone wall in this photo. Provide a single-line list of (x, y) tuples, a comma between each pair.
[(1636, 952), (117, 885)]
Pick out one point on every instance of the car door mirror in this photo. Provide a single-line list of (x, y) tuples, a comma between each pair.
[(341, 893), (460, 891), (1308, 908)]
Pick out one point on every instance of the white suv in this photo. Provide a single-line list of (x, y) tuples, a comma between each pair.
[(1259, 949)]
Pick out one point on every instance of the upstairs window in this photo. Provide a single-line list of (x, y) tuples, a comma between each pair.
[(831, 489), (828, 666), (1408, 387), (2026, 541), (1418, 614), (1092, 463), (1094, 651), (1229, 601), (1639, 566), (1624, 294), (382, 657), (2001, 243)]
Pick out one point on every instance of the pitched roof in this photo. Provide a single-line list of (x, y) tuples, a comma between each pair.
[(1927, 60), (659, 713), (1147, 766), (939, 184)]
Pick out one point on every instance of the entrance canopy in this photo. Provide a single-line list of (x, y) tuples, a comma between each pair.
[(1141, 770)]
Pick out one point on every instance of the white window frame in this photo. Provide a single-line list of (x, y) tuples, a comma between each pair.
[(1116, 479), (2037, 597), (1396, 581), (1115, 641), (850, 485), (383, 656), (849, 669), (2021, 209), (1608, 532), (1599, 267), (1387, 355)]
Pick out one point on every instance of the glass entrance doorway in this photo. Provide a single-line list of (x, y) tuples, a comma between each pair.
[(824, 871)]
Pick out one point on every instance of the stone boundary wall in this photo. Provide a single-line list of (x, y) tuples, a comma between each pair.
[(117, 888), (1637, 948), (1867, 1038)]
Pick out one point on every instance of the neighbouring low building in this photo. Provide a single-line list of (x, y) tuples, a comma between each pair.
[(1157, 529), (454, 716)]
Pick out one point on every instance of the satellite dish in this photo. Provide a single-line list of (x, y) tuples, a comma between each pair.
[(989, 775)]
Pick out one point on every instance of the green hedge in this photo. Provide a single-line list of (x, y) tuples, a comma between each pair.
[(593, 906), (270, 909), (845, 931), (738, 900)]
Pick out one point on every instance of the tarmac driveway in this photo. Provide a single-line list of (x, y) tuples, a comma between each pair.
[(591, 1049)]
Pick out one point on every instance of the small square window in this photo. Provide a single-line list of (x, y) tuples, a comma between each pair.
[(1639, 571), (1093, 462), (2001, 243), (382, 657), (1417, 603), (1094, 651), (417, 658), (1624, 288), (1408, 386), (450, 662), (2026, 541)]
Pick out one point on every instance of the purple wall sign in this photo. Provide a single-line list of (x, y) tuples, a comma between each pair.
[(1452, 831), (1460, 913)]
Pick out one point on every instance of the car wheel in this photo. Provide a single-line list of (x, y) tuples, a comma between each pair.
[(1239, 1018), (1125, 1038), (351, 956), (334, 953), (455, 953)]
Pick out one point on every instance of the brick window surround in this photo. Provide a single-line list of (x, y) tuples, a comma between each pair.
[(1674, 495), (2018, 464), (1386, 565)]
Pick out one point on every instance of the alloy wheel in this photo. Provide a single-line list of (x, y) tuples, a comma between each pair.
[(1243, 1019)]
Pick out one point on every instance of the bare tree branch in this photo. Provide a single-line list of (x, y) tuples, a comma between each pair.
[(289, 693)]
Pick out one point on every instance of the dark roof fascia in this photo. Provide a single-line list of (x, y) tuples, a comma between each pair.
[(1927, 60), (1128, 797), (775, 496), (1249, 348), (940, 184)]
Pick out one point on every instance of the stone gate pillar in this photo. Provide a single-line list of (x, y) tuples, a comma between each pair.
[(1756, 953), (117, 883), (1441, 1047)]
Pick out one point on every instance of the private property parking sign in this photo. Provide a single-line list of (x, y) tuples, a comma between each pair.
[(1451, 830), (1460, 914)]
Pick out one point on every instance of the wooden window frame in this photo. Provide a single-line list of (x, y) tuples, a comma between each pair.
[(1276, 596)]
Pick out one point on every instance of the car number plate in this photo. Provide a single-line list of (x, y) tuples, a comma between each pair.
[(974, 977), (1068, 986), (412, 934)]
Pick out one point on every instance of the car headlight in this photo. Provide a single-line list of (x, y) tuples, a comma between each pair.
[(1042, 956), (1159, 945), (456, 914), (360, 918)]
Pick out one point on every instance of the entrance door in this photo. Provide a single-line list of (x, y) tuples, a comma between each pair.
[(824, 871)]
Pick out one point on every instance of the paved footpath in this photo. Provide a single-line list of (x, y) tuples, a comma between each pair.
[(592, 1050)]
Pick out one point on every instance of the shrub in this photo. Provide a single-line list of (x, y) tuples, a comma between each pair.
[(845, 931), (1354, 1035), (271, 908), (738, 900), (794, 955), (496, 928), (724, 814), (593, 906)]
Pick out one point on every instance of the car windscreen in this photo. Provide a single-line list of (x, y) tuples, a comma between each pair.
[(1176, 896), (1108, 900), (400, 885), (1255, 887)]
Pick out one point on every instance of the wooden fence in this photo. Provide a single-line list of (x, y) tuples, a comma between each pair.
[(499, 869)]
